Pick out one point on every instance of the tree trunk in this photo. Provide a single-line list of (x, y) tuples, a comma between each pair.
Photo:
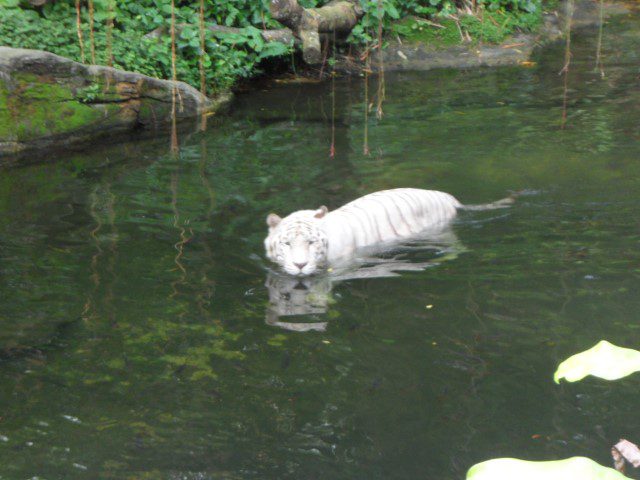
[(338, 16)]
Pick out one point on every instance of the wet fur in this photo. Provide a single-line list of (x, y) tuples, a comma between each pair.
[(318, 238)]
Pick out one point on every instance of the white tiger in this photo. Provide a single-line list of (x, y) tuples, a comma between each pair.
[(295, 296), (310, 240)]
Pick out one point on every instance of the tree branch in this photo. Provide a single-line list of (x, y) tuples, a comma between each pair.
[(338, 16)]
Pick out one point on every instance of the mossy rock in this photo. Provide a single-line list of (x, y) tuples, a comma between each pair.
[(47, 100)]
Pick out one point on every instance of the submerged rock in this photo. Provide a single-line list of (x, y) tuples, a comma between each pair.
[(51, 101)]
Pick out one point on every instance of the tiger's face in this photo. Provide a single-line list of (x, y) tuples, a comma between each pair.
[(297, 242)]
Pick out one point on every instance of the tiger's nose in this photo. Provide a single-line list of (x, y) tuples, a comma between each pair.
[(300, 265)]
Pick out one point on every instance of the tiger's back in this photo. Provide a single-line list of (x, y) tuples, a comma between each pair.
[(385, 217)]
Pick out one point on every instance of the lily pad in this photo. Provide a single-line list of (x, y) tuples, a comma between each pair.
[(605, 360), (575, 468)]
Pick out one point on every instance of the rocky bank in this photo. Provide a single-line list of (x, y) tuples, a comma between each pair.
[(50, 101)]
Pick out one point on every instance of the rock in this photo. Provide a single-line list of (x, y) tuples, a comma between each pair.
[(51, 101)]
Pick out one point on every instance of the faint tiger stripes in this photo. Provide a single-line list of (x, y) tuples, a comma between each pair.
[(396, 214)]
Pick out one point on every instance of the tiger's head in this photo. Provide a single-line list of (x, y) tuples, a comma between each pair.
[(297, 242)]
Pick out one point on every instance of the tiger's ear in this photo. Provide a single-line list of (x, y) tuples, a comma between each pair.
[(321, 212), (273, 220)]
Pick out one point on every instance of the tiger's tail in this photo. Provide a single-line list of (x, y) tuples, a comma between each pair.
[(502, 203)]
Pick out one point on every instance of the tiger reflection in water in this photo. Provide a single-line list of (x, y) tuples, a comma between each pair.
[(291, 296)]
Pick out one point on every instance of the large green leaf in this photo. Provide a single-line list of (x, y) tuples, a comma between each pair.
[(604, 360), (575, 468)]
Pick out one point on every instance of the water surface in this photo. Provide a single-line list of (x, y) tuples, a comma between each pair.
[(134, 340)]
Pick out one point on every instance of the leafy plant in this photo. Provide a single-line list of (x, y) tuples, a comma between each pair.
[(88, 94), (141, 43), (495, 20), (228, 57), (575, 468), (604, 360)]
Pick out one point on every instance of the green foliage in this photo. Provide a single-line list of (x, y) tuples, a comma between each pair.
[(496, 19), (495, 26), (414, 29), (490, 27), (141, 40), (385, 11), (512, 5), (89, 94), (227, 58), (485, 29)]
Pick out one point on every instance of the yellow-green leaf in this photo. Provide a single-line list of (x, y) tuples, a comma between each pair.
[(575, 468), (605, 360)]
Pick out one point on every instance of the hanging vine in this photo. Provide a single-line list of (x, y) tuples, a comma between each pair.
[(174, 78), (203, 78), (567, 63), (88, 310), (367, 107), (599, 66), (109, 35), (332, 150), (381, 85), (79, 31), (367, 71), (92, 40), (203, 52), (184, 238), (112, 278)]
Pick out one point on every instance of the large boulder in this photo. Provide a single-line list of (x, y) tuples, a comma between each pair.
[(47, 100)]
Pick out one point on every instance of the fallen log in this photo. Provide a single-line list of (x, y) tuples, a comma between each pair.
[(336, 17), (280, 35)]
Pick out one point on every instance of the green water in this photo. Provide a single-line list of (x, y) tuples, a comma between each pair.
[(133, 305)]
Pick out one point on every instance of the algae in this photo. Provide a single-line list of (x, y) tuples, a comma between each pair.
[(40, 107), (7, 132)]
